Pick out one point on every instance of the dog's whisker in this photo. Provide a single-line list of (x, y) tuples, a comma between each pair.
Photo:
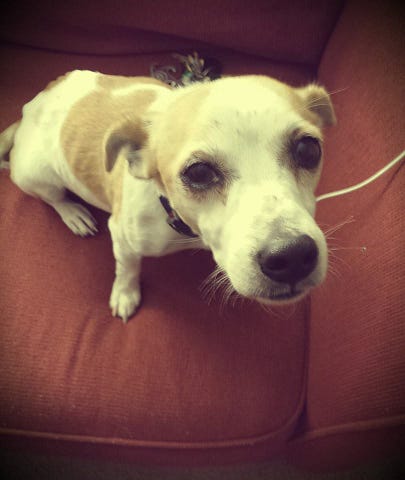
[(334, 258), (331, 230), (322, 99), (290, 311), (214, 281), (333, 255), (214, 277), (223, 288), (265, 308), (339, 90), (320, 104), (332, 250), (333, 267), (334, 272), (342, 262), (224, 298), (233, 299), (227, 293), (331, 237), (271, 311), (335, 248)]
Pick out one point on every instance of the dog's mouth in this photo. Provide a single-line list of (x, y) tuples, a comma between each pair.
[(283, 297)]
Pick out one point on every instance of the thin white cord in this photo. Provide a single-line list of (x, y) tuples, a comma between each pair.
[(364, 182)]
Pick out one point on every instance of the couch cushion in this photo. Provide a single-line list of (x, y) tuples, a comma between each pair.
[(292, 31), (179, 372), (356, 391), (182, 374)]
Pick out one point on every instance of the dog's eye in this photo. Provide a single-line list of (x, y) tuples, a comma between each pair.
[(307, 152), (200, 175)]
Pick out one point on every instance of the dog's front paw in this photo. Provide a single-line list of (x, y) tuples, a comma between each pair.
[(124, 301)]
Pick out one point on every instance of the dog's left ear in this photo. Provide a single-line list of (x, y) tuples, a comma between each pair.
[(316, 100), (128, 139)]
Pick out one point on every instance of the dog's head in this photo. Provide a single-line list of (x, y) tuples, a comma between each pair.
[(239, 160)]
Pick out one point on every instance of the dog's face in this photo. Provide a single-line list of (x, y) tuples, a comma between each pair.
[(239, 160)]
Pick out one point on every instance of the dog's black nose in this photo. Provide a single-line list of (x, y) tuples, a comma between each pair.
[(291, 261)]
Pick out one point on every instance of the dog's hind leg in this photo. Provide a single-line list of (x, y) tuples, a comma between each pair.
[(47, 185), (76, 217)]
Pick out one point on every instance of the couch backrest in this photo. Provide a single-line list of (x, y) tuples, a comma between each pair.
[(290, 31)]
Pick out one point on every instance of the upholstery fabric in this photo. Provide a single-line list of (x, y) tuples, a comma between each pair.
[(184, 381), (357, 317), (262, 27), (181, 375)]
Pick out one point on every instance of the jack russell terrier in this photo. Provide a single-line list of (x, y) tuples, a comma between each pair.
[(233, 163)]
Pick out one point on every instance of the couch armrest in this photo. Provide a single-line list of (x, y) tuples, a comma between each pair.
[(357, 343)]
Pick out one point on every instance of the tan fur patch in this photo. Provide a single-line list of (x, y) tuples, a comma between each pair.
[(291, 94), (83, 135), (168, 138), (178, 126)]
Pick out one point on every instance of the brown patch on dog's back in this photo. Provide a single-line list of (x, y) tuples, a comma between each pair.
[(90, 121)]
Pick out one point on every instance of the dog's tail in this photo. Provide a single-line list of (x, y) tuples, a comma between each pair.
[(6, 143)]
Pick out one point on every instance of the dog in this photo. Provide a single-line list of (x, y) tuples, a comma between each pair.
[(230, 166)]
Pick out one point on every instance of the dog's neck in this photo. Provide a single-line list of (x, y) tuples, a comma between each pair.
[(174, 220)]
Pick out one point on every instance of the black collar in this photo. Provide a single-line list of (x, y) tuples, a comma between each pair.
[(174, 220)]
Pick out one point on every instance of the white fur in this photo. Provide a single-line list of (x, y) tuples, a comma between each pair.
[(140, 231), (37, 153), (242, 121)]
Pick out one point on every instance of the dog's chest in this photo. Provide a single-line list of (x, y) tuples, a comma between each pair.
[(143, 221)]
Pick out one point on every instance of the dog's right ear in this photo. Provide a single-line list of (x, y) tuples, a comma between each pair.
[(127, 139), (317, 100)]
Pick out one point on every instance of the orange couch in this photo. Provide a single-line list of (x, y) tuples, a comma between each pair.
[(322, 383)]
